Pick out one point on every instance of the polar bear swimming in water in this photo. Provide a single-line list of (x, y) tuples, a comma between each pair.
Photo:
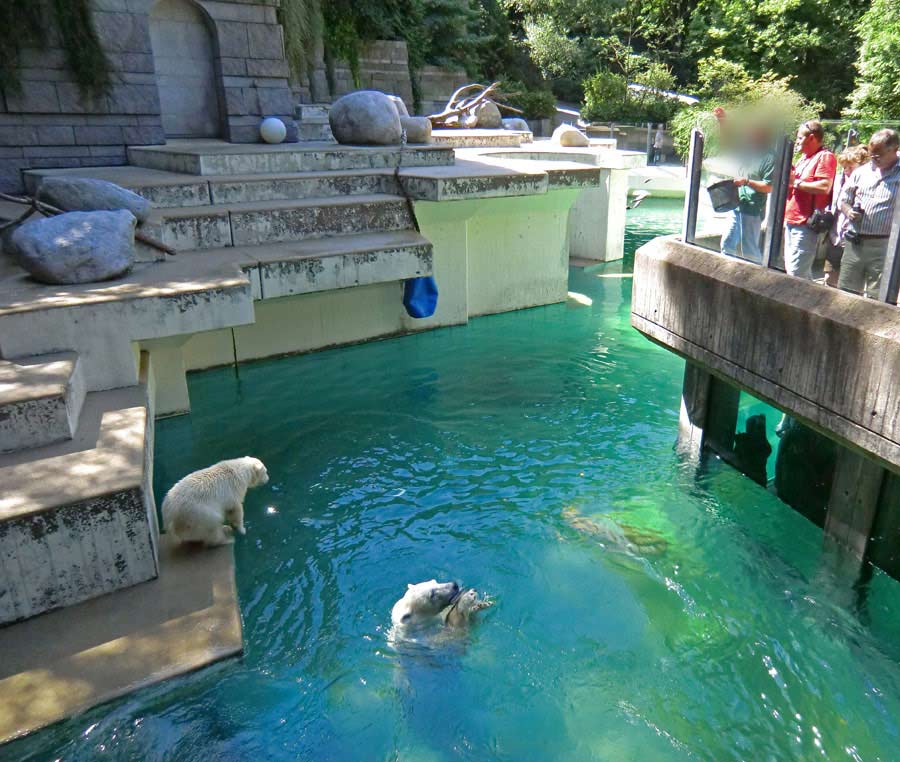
[(206, 504), (432, 602)]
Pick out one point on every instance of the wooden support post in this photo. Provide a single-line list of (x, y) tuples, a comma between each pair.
[(853, 504), (708, 415)]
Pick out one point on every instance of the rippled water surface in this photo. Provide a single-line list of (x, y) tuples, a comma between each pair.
[(644, 611)]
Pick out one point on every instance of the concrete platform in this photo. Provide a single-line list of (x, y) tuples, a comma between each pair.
[(216, 157), (480, 138), (67, 661)]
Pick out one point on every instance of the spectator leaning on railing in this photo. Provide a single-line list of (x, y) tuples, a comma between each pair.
[(810, 189), (868, 202)]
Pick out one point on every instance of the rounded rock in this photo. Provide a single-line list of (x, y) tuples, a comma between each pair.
[(568, 136), (516, 123), (418, 128), (272, 130), (366, 117), (76, 247), (488, 115), (82, 194)]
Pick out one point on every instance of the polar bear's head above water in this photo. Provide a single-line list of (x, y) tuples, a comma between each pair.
[(423, 601)]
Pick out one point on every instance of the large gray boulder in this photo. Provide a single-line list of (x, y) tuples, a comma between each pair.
[(418, 128), (568, 136), (76, 247), (401, 106), (366, 117), (81, 194), (488, 115)]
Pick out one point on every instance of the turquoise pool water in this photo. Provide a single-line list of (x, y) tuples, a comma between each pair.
[(644, 611)]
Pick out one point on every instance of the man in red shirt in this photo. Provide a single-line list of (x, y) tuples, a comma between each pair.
[(810, 188)]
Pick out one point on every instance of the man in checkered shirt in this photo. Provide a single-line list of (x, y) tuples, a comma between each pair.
[(868, 202)]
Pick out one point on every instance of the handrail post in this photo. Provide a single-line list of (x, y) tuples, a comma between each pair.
[(784, 153), (890, 276), (692, 198)]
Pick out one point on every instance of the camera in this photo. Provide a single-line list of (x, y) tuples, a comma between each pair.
[(852, 234)]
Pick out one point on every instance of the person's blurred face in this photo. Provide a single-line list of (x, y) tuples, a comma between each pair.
[(882, 156)]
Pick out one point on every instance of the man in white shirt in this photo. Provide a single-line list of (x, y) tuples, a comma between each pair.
[(868, 202)]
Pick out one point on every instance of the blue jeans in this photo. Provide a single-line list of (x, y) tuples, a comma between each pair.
[(742, 236), (800, 244)]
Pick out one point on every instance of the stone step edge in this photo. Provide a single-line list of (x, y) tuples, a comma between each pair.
[(18, 369), (41, 480), (64, 398), (244, 207)]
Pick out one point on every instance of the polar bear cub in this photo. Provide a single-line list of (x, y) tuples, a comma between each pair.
[(205, 505), (423, 601)]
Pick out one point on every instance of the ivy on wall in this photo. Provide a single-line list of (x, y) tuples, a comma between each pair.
[(68, 24)]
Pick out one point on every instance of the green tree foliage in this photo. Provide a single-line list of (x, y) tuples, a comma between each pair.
[(608, 97), (814, 42), (877, 93), (768, 102)]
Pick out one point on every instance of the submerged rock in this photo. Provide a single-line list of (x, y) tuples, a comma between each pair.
[(82, 194), (76, 247), (418, 128), (566, 135), (366, 117)]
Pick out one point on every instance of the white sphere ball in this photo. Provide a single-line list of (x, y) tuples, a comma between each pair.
[(272, 130)]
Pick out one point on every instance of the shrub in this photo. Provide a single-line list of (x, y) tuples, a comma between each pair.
[(605, 97), (534, 104)]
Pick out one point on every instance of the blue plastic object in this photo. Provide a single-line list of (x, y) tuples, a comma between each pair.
[(420, 297)]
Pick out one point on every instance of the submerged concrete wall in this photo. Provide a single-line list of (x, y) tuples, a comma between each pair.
[(830, 359)]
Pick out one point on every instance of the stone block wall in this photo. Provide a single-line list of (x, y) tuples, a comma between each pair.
[(52, 124), (438, 84), (384, 65)]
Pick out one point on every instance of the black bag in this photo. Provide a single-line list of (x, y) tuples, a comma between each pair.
[(820, 220)]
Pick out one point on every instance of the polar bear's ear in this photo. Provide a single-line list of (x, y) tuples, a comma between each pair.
[(409, 585)]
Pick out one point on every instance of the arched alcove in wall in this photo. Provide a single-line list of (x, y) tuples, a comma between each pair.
[(184, 59)]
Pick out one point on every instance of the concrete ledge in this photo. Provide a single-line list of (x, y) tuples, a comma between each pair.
[(67, 661), (40, 399), (221, 158), (829, 358)]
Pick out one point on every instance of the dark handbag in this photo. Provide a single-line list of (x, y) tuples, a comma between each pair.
[(820, 220)]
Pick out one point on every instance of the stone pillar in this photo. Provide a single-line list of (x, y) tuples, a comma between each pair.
[(597, 219), (708, 414), (169, 376), (853, 505)]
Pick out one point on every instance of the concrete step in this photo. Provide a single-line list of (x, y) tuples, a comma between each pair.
[(300, 185), (306, 267), (211, 157), (167, 190), (77, 518), (247, 224), (40, 400)]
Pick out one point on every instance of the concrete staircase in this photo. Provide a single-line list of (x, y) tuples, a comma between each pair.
[(77, 513)]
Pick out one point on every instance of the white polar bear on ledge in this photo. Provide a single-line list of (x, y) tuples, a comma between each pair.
[(200, 506)]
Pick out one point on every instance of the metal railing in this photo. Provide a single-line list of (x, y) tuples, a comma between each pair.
[(775, 211)]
